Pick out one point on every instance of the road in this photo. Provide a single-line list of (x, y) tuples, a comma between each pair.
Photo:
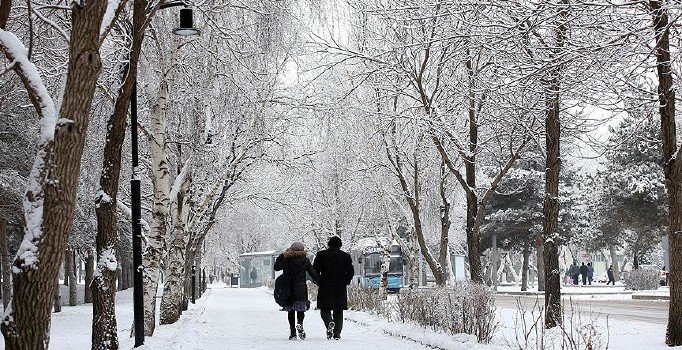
[(626, 310)]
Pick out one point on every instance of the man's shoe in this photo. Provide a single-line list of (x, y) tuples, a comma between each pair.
[(330, 330)]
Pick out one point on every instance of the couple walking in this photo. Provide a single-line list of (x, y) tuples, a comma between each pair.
[(332, 271)]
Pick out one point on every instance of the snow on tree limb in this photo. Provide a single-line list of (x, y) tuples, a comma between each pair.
[(17, 53), (178, 181), (106, 261), (125, 210), (109, 16)]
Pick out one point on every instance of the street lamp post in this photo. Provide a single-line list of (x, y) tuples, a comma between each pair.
[(186, 29)]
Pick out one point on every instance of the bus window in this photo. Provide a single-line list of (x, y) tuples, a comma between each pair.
[(396, 265)]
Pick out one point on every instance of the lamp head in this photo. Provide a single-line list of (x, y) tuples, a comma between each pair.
[(186, 24)]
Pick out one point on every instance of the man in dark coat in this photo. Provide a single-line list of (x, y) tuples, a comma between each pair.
[(335, 269), (583, 273), (609, 273)]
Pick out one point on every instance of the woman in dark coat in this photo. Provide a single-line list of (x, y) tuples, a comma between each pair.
[(335, 268), (294, 262)]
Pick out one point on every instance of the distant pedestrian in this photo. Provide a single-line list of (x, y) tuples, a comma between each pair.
[(583, 273), (253, 275), (574, 271), (609, 273), (590, 273), (295, 263), (335, 269), (663, 276)]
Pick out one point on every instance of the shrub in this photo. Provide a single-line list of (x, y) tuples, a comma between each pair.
[(577, 330), (466, 308), (642, 280)]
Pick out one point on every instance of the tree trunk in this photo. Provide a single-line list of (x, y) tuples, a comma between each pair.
[(413, 264), (385, 263), (672, 166), (171, 301), (89, 276), (5, 263), (104, 331), (189, 261), (198, 259), (57, 299), (124, 281), (614, 262), (540, 261), (70, 274), (119, 272), (67, 267), (49, 204), (551, 211), (445, 222), (130, 275), (524, 266), (551, 237), (635, 261), (415, 207)]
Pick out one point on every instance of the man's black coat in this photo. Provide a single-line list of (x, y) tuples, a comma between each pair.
[(335, 270)]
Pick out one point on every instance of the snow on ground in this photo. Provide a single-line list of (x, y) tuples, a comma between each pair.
[(249, 319), (227, 318), (601, 288), (621, 335), (72, 327)]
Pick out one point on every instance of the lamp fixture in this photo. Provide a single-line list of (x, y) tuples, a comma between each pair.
[(186, 24)]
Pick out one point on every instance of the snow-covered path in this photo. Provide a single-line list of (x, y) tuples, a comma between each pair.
[(228, 318)]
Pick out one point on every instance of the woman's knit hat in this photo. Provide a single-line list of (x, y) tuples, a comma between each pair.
[(297, 246)]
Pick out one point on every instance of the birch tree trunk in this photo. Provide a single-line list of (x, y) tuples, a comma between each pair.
[(51, 193), (672, 166), (171, 301), (151, 259)]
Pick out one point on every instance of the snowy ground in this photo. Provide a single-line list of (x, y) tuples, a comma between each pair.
[(228, 318)]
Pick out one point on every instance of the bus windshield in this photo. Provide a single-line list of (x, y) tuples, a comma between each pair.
[(373, 264)]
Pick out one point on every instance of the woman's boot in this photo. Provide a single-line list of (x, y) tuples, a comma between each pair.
[(292, 334), (301, 332)]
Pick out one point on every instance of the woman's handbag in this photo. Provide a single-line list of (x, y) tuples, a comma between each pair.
[(282, 292)]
